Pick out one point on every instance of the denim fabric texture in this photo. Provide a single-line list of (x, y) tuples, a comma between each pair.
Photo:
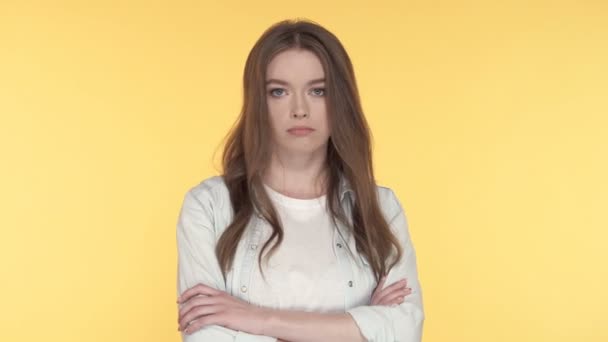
[(206, 211)]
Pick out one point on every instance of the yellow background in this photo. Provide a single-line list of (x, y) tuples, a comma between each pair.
[(489, 121)]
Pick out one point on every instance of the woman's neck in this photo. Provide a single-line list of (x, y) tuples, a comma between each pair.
[(297, 176)]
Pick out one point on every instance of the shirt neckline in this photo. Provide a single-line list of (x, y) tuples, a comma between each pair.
[(293, 202)]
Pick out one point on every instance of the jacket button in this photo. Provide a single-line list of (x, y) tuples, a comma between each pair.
[(350, 283), (243, 288), (253, 246), (339, 245)]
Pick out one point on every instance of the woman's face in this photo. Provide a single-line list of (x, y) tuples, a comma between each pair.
[(295, 93)]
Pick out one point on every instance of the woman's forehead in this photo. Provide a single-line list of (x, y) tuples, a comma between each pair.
[(296, 64)]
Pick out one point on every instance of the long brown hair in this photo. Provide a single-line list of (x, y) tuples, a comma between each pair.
[(349, 152)]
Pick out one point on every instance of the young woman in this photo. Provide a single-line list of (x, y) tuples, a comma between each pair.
[(295, 241)]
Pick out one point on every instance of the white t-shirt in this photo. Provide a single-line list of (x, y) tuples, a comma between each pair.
[(303, 274)]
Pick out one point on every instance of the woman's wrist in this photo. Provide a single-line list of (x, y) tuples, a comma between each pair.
[(267, 317)]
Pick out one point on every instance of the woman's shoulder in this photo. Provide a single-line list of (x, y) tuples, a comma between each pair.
[(384, 192), (388, 200), (211, 191), (209, 184)]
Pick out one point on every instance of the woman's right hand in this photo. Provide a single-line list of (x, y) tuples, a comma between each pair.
[(394, 294)]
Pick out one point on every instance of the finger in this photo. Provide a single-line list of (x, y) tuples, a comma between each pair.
[(201, 322), (378, 288), (197, 314), (382, 294), (388, 293), (197, 289), (194, 302), (400, 283), (396, 297), (381, 282), (394, 287)]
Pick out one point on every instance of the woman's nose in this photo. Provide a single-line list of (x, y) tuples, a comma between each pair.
[(299, 106), (299, 115)]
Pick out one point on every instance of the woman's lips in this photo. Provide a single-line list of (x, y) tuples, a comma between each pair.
[(300, 131)]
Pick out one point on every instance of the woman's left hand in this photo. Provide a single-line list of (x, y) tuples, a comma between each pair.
[(202, 305)]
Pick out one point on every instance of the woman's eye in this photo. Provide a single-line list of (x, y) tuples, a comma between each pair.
[(273, 92), (319, 91), (277, 92)]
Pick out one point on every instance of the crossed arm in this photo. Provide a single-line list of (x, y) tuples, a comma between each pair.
[(202, 305), (217, 316), (218, 308)]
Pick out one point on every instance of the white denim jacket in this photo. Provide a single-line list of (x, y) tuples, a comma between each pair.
[(206, 211)]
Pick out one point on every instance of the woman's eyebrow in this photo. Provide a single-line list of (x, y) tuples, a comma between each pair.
[(274, 80)]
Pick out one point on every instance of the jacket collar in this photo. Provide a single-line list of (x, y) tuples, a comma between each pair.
[(344, 187)]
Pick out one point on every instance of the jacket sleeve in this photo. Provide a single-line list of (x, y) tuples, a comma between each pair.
[(197, 262), (403, 322)]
